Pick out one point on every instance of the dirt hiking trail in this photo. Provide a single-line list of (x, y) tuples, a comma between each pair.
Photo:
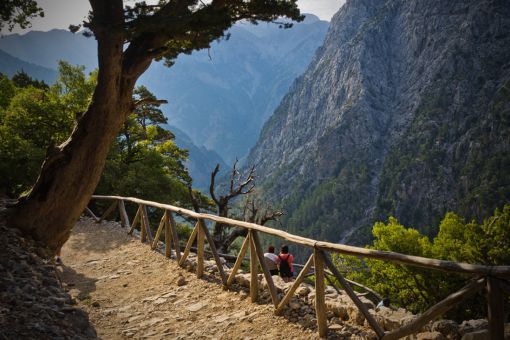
[(131, 291)]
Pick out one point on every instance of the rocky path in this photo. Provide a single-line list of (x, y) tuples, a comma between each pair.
[(131, 291)]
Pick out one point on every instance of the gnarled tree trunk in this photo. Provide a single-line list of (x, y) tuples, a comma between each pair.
[(71, 171)]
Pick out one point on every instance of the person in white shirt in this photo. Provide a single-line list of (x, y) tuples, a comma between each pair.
[(272, 260)]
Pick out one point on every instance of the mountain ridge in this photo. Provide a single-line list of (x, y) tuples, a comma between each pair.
[(221, 96), (368, 130), (10, 65)]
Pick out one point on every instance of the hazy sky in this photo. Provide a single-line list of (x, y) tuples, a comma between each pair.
[(61, 13)]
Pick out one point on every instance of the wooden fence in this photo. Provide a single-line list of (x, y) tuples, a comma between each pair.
[(495, 279)]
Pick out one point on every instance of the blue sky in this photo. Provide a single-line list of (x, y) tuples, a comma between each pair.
[(61, 13)]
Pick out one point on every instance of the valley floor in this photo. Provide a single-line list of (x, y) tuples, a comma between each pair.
[(131, 291)]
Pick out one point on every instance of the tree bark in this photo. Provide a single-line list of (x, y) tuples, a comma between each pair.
[(70, 173)]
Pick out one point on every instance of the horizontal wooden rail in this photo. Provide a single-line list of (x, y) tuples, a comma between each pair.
[(417, 261)]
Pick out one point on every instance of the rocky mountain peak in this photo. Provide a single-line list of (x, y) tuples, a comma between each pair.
[(399, 107)]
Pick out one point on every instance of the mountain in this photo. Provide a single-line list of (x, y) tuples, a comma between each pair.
[(404, 111), (201, 161), (9, 65), (47, 48), (220, 97)]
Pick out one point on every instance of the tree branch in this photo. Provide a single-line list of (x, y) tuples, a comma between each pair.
[(193, 199), (211, 186), (148, 101)]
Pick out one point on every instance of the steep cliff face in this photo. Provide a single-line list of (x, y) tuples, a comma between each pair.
[(405, 110)]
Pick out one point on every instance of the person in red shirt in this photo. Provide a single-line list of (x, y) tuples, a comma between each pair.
[(286, 268)]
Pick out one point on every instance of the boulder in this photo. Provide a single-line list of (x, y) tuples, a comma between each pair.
[(430, 336), (339, 309), (448, 328), (243, 280), (477, 335), (308, 321), (181, 281), (303, 290), (470, 326), (330, 291), (294, 305), (281, 286), (393, 319), (355, 315)]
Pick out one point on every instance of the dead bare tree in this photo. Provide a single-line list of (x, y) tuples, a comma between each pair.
[(253, 209)]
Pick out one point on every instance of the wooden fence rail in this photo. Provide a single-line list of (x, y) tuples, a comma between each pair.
[(493, 278)]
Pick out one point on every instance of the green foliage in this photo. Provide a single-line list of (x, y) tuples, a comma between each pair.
[(449, 159), (317, 210), (183, 232), (32, 119), (22, 79), (7, 90), (18, 12), (417, 289), (144, 161), (485, 243), (73, 88)]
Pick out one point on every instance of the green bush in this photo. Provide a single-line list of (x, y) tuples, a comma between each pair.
[(417, 289)]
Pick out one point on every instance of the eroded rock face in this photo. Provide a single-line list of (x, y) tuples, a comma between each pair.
[(401, 113)]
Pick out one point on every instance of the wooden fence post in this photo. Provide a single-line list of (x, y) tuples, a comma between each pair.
[(295, 286), (436, 311), (168, 236), (189, 244), (145, 225), (239, 260), (496, 304), (158, 232), (88, 211), (143, 228), (214, 252), (320, 304), (108, 211), (136, 220), (200, 250), (124, 218), (265, 269), (175, 237), (348, 289), (254, 280)]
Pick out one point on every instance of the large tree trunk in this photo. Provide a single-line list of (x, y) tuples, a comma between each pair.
[(71, 171)]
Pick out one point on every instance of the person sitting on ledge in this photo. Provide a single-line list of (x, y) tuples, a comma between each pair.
[(272, 260), (286, 268)]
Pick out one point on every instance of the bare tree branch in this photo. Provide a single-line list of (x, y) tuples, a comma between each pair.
[(194, 202), (253, 210), (211, 186)]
